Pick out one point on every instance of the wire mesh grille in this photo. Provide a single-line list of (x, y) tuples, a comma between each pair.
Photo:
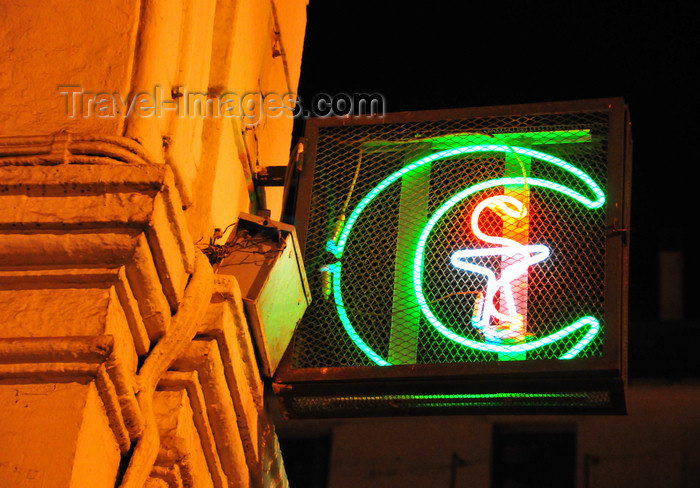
[(351, 405), (464, 240)]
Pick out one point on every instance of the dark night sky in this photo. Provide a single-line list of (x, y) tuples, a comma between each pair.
[(434, 55)]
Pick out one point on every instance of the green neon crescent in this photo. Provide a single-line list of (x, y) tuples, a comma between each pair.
[(337, 248)]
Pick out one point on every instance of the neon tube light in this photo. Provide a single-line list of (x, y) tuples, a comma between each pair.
[(337, 248), (463, 396), (522, 257)]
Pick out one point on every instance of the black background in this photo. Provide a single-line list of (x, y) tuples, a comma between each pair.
[(435, 55)]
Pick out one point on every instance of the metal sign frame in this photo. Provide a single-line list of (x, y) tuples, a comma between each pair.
[(606, 373)]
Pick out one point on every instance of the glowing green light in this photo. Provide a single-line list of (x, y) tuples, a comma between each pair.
[(347, 325), (466, 396), (452, 400), (337, 248)]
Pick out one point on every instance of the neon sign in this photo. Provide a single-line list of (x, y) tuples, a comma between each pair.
[(503, 328)]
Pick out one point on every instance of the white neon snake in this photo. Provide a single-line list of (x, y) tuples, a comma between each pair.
[(522, 257)]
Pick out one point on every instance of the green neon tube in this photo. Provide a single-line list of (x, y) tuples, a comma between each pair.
[(337, 248), (347, 325), (464, 396)]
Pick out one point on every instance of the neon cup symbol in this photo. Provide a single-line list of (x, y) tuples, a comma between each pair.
[(493, 323), (492, 342)]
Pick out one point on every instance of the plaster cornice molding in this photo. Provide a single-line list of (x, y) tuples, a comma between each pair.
[(92, 216)]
